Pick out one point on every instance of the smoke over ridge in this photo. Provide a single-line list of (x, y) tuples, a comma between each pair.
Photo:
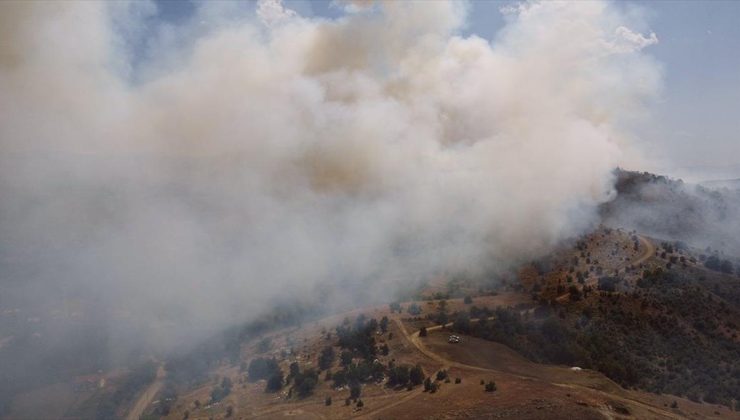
[(263, 154)]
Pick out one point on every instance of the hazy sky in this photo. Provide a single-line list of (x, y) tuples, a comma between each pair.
[(696, 125), (694, 131)]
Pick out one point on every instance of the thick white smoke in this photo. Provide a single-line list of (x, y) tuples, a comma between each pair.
[(275, 152)]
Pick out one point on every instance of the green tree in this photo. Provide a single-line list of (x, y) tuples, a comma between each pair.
[(384, 349), (305, 382), (491, 386), (398, 375), (294, 370), (384, 324), (326, 358), (346, 358), (416, 375), (354, 391), (414, 309), (261, 368), (275, 382)]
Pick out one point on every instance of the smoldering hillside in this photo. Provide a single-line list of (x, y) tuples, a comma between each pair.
[(248, 156), (700, 216)]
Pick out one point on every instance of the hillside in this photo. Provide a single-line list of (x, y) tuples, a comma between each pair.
[(671, 209), (618, 325)]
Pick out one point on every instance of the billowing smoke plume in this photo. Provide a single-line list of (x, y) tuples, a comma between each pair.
[(251, 155)]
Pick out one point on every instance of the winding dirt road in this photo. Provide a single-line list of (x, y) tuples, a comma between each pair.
[(649, 250), (414, 339), (146, 398)]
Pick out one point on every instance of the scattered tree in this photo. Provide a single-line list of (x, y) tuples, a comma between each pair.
[(262, 368), (305, 382), (295, 370), (275, 382), (346, 358), (326, 358), (398, 375), (354, 391), (427, 384), (414, 309), (491, 386), (416, 375), (384, 324)]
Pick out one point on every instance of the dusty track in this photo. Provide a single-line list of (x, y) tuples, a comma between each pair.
[(649, 250), (383, 404), (414, 339), (146, 398)]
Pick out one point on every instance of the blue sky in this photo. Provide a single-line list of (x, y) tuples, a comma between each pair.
[(698, 122), (695, 127)]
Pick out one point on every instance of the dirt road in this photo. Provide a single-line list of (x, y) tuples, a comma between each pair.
[(649, 250), (447, 363), (146, 398)]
